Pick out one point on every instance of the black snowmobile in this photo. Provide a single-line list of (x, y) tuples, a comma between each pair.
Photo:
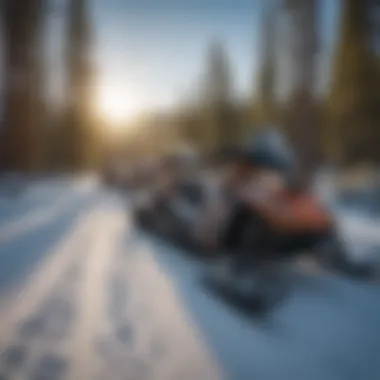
[(263, 231)]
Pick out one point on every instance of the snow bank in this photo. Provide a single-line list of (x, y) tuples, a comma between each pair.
[(359, 226)]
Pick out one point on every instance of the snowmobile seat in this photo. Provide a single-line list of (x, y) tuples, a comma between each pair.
[(192, 192)]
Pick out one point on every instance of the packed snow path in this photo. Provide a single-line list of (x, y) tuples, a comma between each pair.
[(84, 296), (94, 310)]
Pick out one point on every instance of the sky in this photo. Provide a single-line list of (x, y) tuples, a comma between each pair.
[(154, 51)]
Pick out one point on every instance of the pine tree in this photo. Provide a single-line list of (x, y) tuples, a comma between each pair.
[(22, 129), (221, 128), (79, 129), (303, 107), (373, 38), (266, 101), (354, 98)]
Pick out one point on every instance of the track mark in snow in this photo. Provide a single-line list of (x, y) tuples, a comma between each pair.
[(148, 335), (49, 367), (124, 334), (14, 357), (52, 321), (92, 309), (24, 307), (56, 315), (34, 219), (117, 298), (167, 339), (33, 327), (92, 297), (157, 350)]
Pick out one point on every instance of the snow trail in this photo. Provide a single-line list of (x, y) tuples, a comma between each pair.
[(101, 308), (34, 219)]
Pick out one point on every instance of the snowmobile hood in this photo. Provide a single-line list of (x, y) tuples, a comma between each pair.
[(268, 149)]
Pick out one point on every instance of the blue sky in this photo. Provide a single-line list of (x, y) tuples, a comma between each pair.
[(156, 49)]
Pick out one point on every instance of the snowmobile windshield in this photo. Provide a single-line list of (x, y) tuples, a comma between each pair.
[(270, 149)]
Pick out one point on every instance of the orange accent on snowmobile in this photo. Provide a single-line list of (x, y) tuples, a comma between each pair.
[(301, 213)]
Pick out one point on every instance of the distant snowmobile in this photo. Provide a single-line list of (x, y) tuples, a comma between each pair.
[(173, 205)]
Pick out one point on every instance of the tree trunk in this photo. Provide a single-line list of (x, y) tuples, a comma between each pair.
[(80, 130), (303, 103), (21, 132)]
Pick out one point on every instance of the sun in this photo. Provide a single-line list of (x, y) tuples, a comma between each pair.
[(115, 105)]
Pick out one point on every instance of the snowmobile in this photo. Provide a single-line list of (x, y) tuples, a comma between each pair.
[(173, 205), (271, 220)]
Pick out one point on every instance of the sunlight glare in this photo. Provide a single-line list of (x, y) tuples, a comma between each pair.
[(115, 105)]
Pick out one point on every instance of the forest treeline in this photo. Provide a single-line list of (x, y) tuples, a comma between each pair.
[(339, 126)]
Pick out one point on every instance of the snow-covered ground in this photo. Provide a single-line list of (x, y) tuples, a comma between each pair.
[(359, 224), (85, 296)]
